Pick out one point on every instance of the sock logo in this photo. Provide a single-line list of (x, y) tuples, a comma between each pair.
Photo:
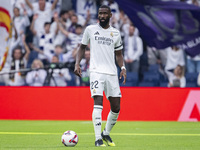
[(113, 124), (98, 124)]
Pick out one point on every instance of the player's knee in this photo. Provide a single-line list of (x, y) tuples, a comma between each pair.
[(98, 103), (98, 100), (116, 109)]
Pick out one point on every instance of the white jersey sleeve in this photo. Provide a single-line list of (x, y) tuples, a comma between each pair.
[(118, 44), (86, 37)]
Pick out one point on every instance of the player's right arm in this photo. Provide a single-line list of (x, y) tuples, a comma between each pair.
[(79, 56)]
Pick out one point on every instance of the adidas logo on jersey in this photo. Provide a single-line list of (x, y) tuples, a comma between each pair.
[(97, 33)]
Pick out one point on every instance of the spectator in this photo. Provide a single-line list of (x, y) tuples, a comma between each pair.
[(15, 39), (58, 5), (133, 50), (45, 40), (19, 61), (175, 56), (193, 64), (14, 42), (79, 18), (114, 8), (60, 76), (43, 10), (22, 6), (20, 21), (58, 51), (75, 39), (177, 79), (85, 7), (64, 22), (37, 76), (74, 22), (125, 25), (157, 57)]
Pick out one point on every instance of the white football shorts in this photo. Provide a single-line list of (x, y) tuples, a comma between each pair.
[(104, 82)]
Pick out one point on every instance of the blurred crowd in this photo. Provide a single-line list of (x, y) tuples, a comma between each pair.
[(47, 33)]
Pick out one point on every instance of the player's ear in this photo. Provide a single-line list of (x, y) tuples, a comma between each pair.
[(110, 14)]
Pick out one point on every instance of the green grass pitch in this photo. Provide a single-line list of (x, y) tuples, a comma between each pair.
[(41, 135)]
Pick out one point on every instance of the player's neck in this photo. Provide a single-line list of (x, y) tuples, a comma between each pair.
[(106, 26)]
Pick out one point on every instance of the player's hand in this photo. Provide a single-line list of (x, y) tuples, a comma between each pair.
[(123, 73), (77, 70)]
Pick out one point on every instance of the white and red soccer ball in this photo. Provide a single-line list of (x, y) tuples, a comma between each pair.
[(69, 138)]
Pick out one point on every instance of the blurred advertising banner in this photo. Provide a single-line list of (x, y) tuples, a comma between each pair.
[(5, 30), (165, 23), (191, 108), (67, 103)]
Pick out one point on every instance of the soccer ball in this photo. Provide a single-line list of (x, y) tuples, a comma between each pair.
[(69, 138)]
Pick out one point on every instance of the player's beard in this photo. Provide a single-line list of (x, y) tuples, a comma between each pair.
[(104, 23)]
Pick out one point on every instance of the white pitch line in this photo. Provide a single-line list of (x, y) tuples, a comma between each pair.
[(121, 134), (156, 134), (29, 133)]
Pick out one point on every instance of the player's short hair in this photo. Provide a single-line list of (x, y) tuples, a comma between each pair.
[(105, 6)]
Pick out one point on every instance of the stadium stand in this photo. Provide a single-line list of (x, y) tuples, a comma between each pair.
[(148, 74)]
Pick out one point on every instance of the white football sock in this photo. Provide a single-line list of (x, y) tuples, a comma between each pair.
[(97, 121), (111, 121)]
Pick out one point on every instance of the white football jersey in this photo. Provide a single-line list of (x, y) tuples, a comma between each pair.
[(103, 44)]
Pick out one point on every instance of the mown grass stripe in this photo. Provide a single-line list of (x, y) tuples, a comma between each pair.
[(121, 134)]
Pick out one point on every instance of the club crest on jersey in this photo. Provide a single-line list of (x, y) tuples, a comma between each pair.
[(94, 91), (111, 34)]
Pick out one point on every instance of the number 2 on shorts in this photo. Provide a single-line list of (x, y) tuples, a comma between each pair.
[(94, 84)]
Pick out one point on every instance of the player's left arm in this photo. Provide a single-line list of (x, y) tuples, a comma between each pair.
[(120, 62)]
